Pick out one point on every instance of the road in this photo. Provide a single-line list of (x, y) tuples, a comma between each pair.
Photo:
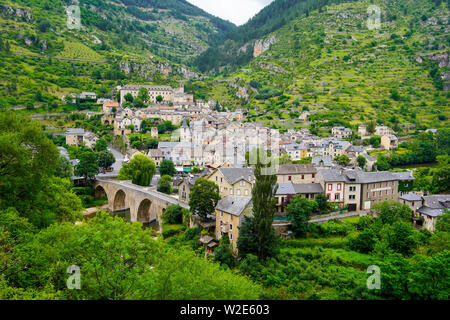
[(117, 165)]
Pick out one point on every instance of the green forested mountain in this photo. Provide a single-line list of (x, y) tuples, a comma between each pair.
[(43, 55), (329, 62), (235, 48)]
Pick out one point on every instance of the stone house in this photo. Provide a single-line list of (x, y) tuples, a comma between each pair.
[(184, 190), (296, 173), (433, 207), (230, 213), (341, 132), (412, 200), (287, 190), (389, 142), (382, 131), (296, 151), (75, 136), (233, 181), (156, 155)]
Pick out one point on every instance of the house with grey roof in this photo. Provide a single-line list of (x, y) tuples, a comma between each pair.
[(358, 189), (75, 136), (287, 190), (433, 207), (341, 132), (322, 162), (296, 173), (389, 141), (412, 200), (230, 213), (233, 181)]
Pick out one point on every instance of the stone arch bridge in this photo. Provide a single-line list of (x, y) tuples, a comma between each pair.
[(145, 204)]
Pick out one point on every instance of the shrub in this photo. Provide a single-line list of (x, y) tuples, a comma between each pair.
[(173, 214), (191, 233)]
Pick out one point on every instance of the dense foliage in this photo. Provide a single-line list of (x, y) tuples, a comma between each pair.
[(139, 170)]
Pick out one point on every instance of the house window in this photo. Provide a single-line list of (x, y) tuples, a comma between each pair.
[(231, 191), (339, 187), (246, 192), (221, 214), (220, 223), (336, 196), (238, 192), (313, 175), (231, 226), (231, 236), (330, 187), (289, 178), (303, 176)]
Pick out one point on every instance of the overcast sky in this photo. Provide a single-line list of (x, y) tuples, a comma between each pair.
[(236, 11)]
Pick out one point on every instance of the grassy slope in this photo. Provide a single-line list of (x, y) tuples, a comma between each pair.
[(151, 45)]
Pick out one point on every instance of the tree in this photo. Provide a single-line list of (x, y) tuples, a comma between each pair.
[(138, 103), (27, 159), (342, 160), (441, 175), (166, 167), (165, 184), (64, 168), (247, 242), (204, 197), (223, 254), (300, 210), (140, 170), (443, 222), (105, 159), (56, 203), (371, 127), (151, 143), (361, 161), (129, 97), (159, 98), (401, 237), (173, 214), (120, 260), (143, 94), (264, 205), (382, 164), (88, 166), (322, 202), (44, 26), (390, 212), (101, 145), (364, 242)]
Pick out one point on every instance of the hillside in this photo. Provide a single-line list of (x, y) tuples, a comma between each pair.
[(142, 40), (240, 45), (330, 63)]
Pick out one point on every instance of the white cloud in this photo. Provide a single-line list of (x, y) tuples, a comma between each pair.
[(236, 11)]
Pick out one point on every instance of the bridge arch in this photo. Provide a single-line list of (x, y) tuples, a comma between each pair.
[(100, 192), (119, 201), (143, 212)]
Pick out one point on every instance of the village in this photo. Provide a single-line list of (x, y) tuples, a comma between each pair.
[(213, 144)]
